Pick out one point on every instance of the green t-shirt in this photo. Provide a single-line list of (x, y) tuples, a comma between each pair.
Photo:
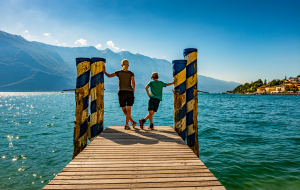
[(156, 88)]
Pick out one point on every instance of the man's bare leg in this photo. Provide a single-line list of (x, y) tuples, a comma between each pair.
[(151, 113), (124, 109), (128, 115)]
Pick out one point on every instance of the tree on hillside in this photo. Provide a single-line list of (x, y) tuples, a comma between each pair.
[(276, 82), (298, 76), (265, 83), (285, 78), (248, 87)]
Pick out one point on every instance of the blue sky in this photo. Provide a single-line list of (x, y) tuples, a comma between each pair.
[(239, 41)]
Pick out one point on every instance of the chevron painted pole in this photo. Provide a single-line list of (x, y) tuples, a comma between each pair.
[(82, 103), (179, 97), (190, 55), (97, 97)]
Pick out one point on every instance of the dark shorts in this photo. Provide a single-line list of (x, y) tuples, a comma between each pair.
[(126, 98), (153, 104)]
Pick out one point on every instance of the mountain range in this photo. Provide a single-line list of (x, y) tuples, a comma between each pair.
[(33, 66)]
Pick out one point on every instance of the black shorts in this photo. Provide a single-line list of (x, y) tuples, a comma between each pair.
[(153, 104), (126, 98)]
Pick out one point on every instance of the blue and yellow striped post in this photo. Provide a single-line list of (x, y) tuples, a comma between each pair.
[(82, 103), (97, 97), (179, 97), (190, 55)]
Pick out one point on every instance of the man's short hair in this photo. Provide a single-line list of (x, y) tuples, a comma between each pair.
[(154, 75)]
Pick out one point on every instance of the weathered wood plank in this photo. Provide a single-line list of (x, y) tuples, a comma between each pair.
[(128, 175), (130, 172)]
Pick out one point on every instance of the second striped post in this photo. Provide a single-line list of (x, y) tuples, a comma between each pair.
[(97, 97), (179, 97), (190, 55)]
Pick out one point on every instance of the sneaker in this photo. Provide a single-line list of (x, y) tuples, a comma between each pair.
[(142, 121), (151, 126), (127, 127), (133, 124)]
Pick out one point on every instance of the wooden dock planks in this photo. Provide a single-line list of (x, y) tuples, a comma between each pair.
[(136, 159)]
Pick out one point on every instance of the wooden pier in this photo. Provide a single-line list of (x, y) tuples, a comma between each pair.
[(136, 159)]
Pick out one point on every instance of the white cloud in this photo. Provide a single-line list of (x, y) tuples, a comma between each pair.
[(123, 49), (98, 46), (111, 45), (26, 31), (81, 41), (47, 34)]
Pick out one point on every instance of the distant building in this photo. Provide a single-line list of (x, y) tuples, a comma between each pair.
[(294, 79), (280, 88), (261, 89), (270, 89)]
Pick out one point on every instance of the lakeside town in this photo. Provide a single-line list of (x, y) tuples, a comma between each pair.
[(285, 86)]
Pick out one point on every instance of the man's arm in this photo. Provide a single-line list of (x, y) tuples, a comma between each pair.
[(174, 80), (133, 83), (108, 75), (147, 90)]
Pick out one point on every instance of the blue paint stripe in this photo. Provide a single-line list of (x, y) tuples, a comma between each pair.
[(190, 93), (81, 59), (189, 118), (97, 59), (97, 79), (94, 106), (83, 128), (180, 89), (96, 129), (191, 139), (178, 65), (180, 114), (188, 51), (83, 79), (191, 69), (183, 134), (85, 101)]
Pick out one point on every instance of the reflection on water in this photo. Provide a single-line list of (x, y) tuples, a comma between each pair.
[(248, 142)]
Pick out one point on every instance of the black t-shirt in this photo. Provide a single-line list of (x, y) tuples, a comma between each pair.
[(124, 80)]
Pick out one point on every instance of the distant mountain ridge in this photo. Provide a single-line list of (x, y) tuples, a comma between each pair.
[(34, 66)]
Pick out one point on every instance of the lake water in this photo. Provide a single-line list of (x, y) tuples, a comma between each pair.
[(248, 142)]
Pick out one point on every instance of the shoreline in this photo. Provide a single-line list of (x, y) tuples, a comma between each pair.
[(264, 94)]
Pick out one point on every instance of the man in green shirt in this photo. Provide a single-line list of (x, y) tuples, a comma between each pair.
[(156, 88)]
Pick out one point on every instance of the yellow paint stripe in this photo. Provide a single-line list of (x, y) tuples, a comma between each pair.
[(86, 90), (83, 67), (93, 118), (181, 77), (191, 81), (97, 67), (94, 90), (190, 105), (191, 58), (83, 140), (182, 101), (180, 125), (190, 129), (85, 115)]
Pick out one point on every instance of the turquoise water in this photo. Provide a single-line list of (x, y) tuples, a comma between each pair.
[(248, 142)]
